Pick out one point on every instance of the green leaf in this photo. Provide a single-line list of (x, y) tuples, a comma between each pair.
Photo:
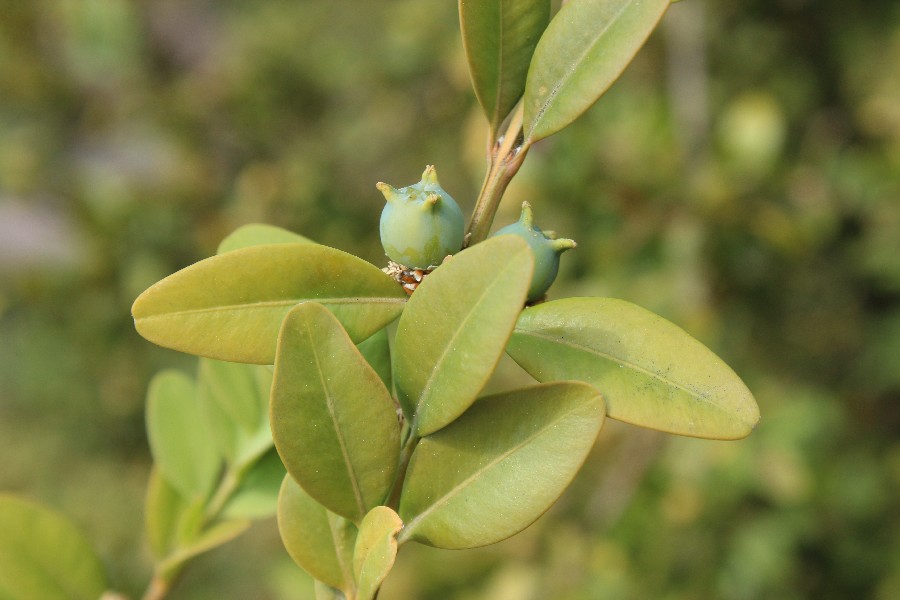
[(234, 400), (377, 352), (375, 551), (258, 234), (651, 372), (43, 555), (494, 471), (333, 421), (180, 442), (231, 306), (163, 509), (257, 494), (211, 538), (499, 38), (454, 329), (319, 542), (584, 50)]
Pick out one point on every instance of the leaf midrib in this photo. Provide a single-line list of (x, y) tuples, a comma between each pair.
[(268, 304), (569, 73), (426, 389), (500, 53), (620, 361), (329, 405)]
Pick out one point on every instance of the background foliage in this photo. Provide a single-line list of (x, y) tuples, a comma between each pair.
[(742, 179)]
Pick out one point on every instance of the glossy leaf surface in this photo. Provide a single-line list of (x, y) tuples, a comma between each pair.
[(231, 306), (502, 464), (259, 234), (583, 51), (454, 329), (499, 38), (180, 441), (321, 546), (257, 494), (234, 401), (375, 550), (651, 372), (43, 555), (333, 421)]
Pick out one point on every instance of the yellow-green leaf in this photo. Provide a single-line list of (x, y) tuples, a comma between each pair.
[(502, 464), (181, 443), (230, 306), (320, 543), (375, 550), (259, 234), (333, 421), (499, 38), (583, 51), (454, 328), (651, 372)]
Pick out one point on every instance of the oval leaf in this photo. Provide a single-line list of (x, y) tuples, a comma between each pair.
[(180, 442), (259, 234), (454, 329), (494, 471), (499, 38), (320, 545), (43, 555), (375, 550), (651, 372), (584, 50), (231, 306), (333, 421), (234, 400)]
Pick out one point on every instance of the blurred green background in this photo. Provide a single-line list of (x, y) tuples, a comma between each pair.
[(741, 179)]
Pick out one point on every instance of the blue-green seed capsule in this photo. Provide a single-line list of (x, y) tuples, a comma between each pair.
[(420, 224), (546, 248)]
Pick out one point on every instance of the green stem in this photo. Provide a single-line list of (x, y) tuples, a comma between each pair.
[(506, 157), (161, 585), (406, 452), (227, 487), (158, 588)]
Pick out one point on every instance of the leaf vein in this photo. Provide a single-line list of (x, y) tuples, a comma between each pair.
[(426, 389), (458, 488), (329, 404), (273, 304), (703, 397), (574, 67)]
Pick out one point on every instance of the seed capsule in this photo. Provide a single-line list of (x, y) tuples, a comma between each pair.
[(546, 248), (421, 223)]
